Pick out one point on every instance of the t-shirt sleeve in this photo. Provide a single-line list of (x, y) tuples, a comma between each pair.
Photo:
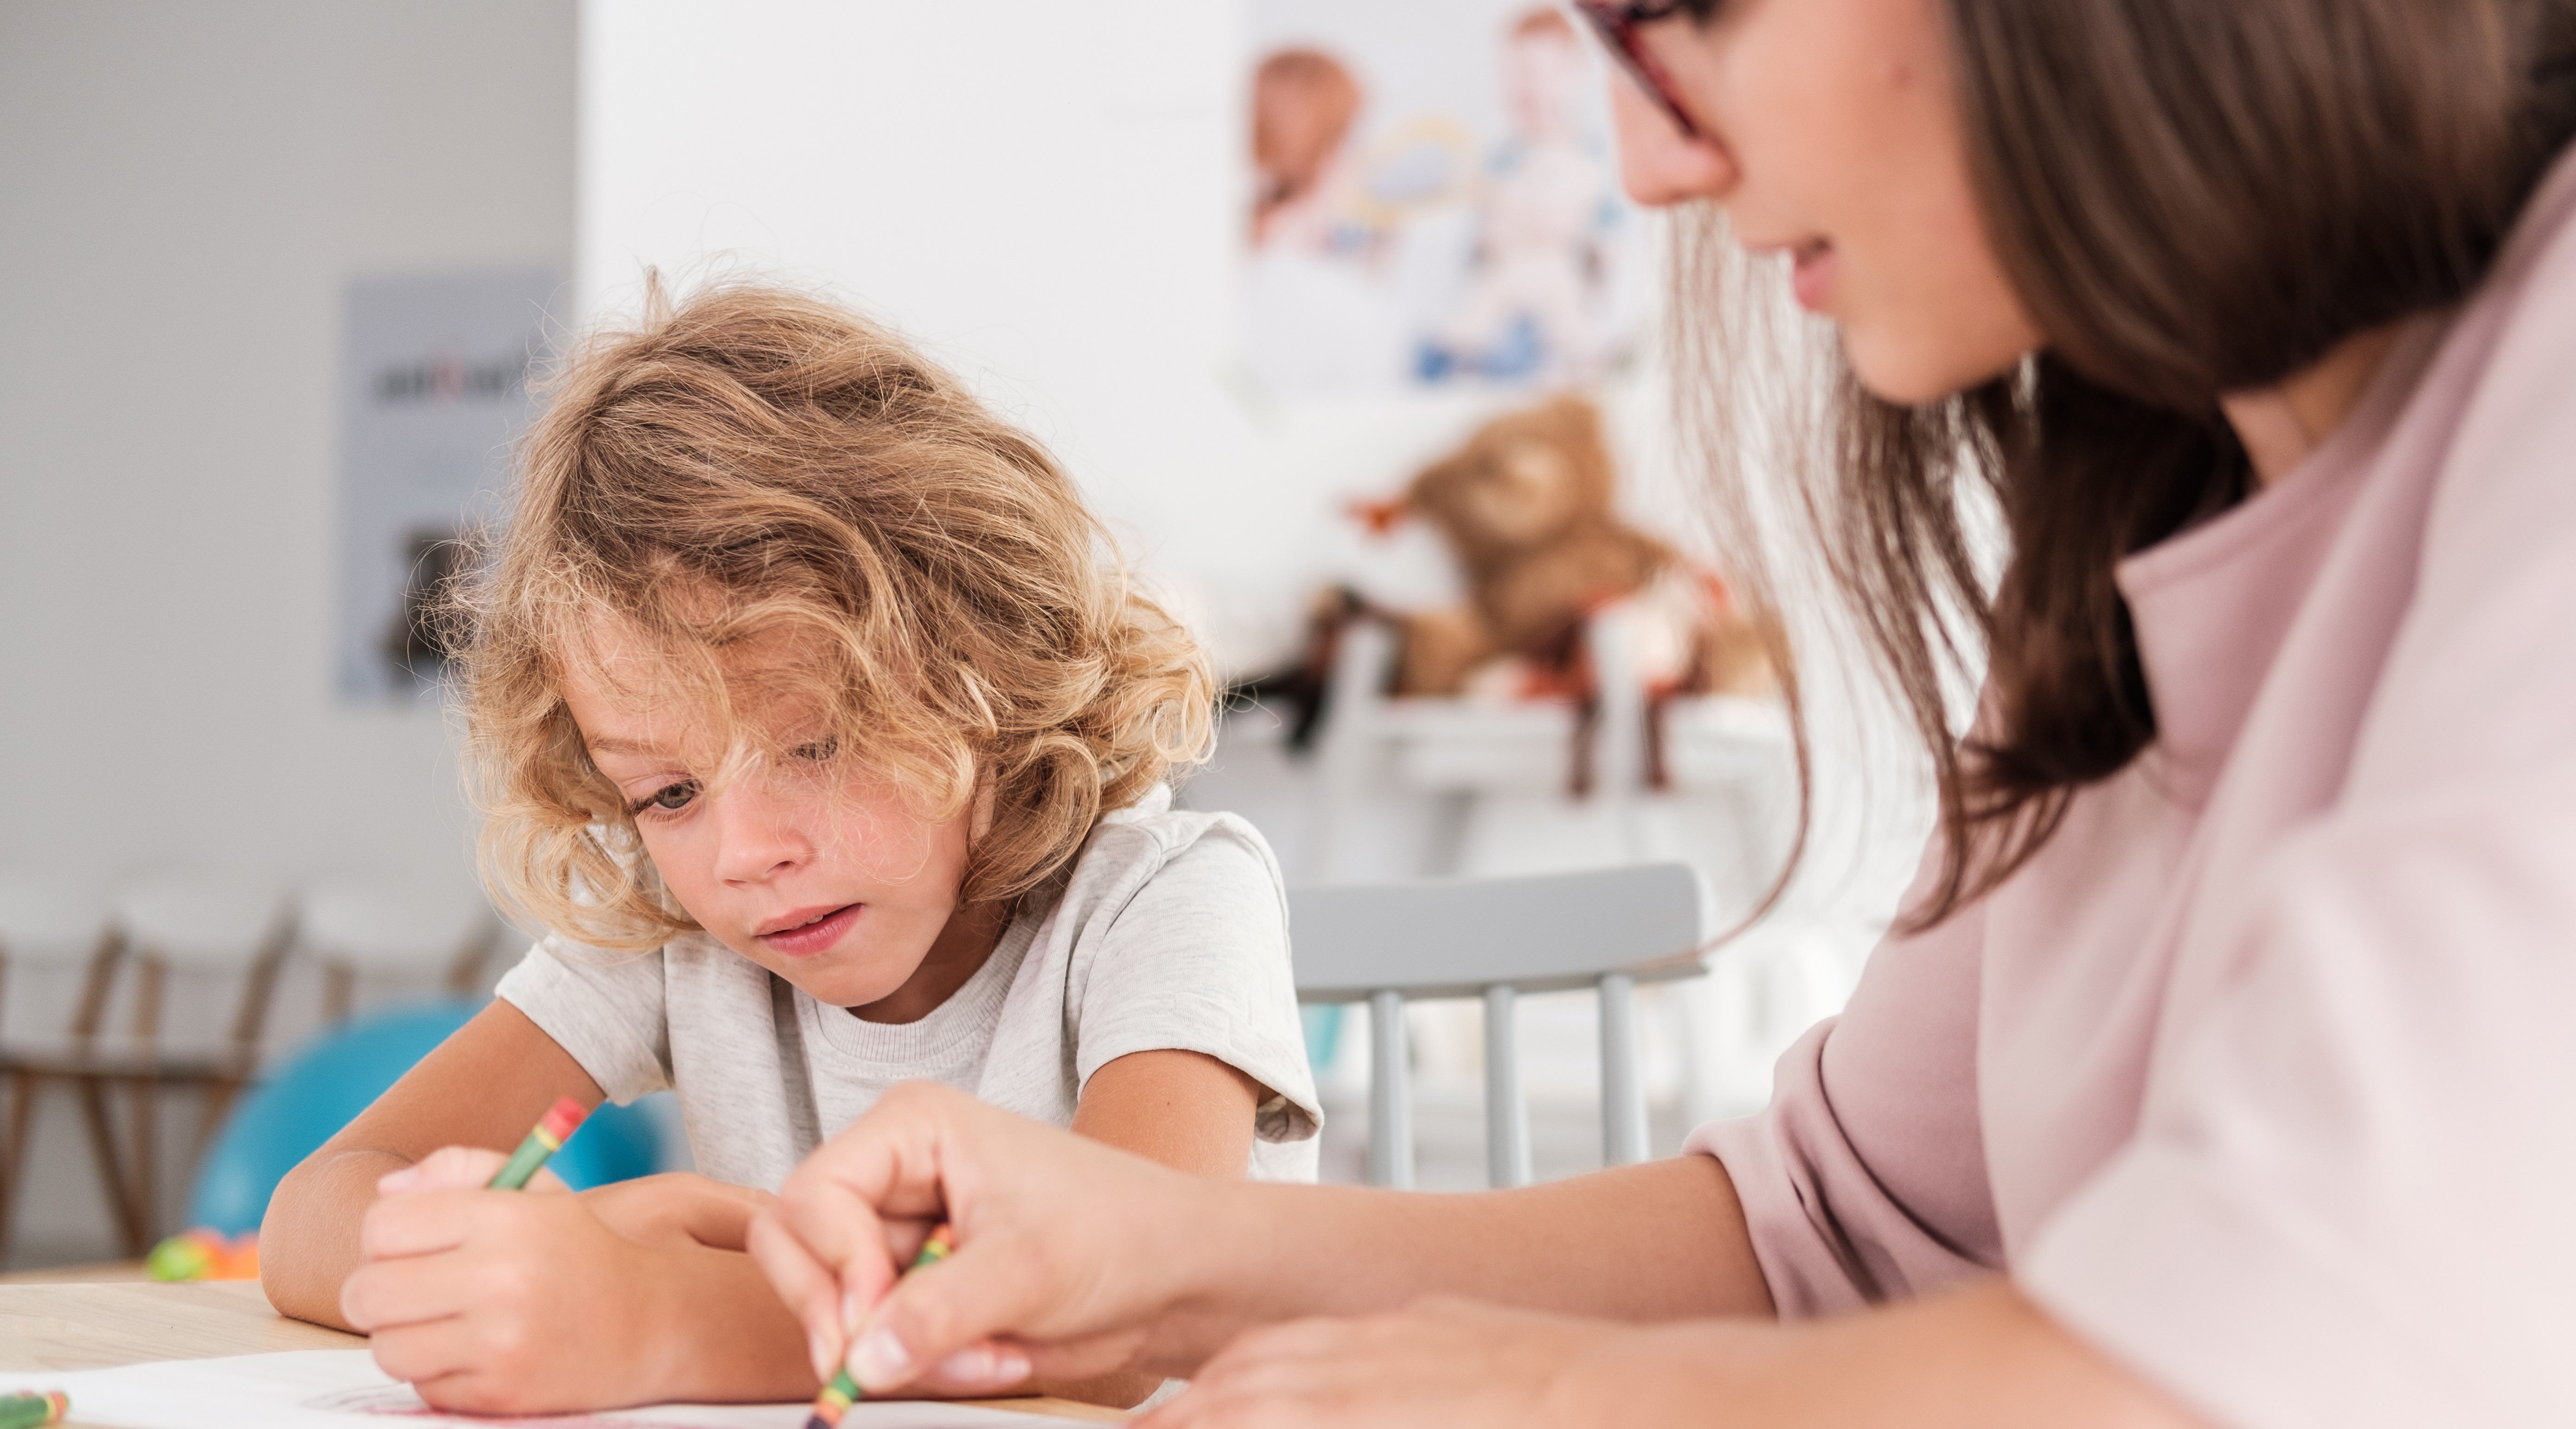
[(1864, 1180), (1197, 961), (604, 1008)]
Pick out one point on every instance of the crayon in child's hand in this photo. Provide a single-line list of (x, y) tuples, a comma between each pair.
[(28, 1411), (545, 1140), (844, 1391)]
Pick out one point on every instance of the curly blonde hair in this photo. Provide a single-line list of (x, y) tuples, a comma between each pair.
[(753, 462)]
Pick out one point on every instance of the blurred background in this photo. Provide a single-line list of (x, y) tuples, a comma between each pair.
[(1312, 296)]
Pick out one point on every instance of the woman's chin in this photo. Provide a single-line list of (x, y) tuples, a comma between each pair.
[(1918, 374)]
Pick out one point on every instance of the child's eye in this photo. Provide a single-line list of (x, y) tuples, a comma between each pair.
[(670, 798)]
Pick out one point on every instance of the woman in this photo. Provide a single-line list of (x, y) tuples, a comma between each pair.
[(2220, 1073)]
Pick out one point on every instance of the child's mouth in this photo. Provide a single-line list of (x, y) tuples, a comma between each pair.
[(817, 933)]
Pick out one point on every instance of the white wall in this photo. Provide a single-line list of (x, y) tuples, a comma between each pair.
[(184, 188), (187, 186), (1048, 194)]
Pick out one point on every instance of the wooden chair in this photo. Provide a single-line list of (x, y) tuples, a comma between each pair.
[(1495, 939), (210, 932)]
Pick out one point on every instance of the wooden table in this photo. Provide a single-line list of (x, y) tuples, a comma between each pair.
[(95, 1326)]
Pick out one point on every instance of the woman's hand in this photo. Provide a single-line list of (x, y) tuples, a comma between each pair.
[(1440, 1362), (1979, 1357), (504, 1301), (1023, 1294)]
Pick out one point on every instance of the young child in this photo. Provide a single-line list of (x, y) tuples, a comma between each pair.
[(808, 717)]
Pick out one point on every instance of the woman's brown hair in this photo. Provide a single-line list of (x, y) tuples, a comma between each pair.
[(756, 464), (2191, 197)]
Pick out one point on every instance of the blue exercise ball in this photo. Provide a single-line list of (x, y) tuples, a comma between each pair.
[(306, 1099)]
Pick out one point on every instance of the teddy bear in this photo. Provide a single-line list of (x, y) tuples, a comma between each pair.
[(1527, 507)]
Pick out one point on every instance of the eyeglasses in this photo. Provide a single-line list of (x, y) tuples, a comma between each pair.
[(1616, 24)]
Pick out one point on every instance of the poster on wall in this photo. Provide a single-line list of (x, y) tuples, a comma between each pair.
[(434, 388), (1435, 201)]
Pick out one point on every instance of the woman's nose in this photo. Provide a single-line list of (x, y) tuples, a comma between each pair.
[(1658, 164)]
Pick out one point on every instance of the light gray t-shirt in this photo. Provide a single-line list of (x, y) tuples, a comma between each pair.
[(1170, 931)]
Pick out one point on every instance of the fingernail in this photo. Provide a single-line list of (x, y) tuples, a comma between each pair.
[(985, 1365), (819, 1355), (879, 1358), (396, 1180)]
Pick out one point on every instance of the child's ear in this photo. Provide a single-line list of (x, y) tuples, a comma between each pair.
[(980, 822)]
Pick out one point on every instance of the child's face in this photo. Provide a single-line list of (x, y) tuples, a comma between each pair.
[(805, 862)]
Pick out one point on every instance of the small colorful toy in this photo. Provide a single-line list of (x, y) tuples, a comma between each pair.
[(203, 1254), (30, 1411)]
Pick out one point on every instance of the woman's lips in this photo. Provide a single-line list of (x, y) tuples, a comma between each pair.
[(1812, 279), (808, 939)]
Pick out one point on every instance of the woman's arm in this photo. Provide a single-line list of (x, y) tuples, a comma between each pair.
[(484, 1086), (1982, 1357), (1073, 1260)]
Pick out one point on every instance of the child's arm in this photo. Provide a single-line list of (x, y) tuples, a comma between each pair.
[(484, 1086), (1188, 1111), (522, 1301)]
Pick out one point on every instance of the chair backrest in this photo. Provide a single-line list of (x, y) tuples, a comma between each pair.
[(209, 927), (1494, 939), (52, 930), (393, 931)]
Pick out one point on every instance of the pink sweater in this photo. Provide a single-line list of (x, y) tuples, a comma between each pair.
[(2261, 1077)]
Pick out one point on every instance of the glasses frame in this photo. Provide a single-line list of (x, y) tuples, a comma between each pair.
[(1616, 24)]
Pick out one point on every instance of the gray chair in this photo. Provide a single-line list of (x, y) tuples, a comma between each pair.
[(1495, 939)]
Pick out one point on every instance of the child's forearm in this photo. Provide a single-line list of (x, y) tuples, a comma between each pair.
[(308, 1242), (724, 1336)]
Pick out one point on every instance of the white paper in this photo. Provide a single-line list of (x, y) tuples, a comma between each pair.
[(343, 1389)]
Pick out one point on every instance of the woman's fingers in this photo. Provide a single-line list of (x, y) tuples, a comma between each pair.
[(982, 1293), (1059, 1242)]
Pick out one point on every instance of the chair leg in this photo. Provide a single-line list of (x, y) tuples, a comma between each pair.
[(92, 1092), (144, 1122), (339, 992), (13, 1155), (221, 1092)]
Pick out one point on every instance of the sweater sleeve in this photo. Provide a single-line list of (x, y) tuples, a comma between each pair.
[(1865, 1178)]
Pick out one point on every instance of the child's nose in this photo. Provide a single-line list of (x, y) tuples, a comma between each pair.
[(756, 836)]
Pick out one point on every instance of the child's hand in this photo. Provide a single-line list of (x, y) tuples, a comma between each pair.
[(454, 1168), (679, 1208), (1062, 1261), (504, 1301)]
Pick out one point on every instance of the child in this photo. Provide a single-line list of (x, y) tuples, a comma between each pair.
[(808, 719)]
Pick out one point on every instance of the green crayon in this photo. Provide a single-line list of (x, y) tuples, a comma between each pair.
[(545, 1140), (844, 1391)]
